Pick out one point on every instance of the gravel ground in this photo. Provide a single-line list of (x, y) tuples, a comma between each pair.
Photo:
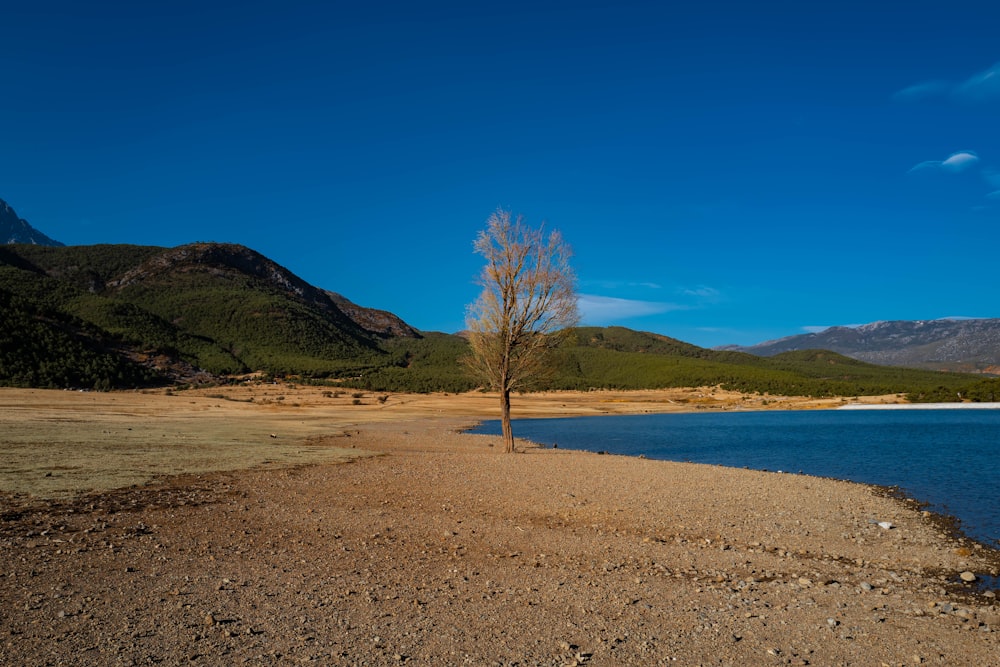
[(443, 550)]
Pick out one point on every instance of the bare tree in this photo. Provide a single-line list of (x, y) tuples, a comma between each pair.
[(527, 304)]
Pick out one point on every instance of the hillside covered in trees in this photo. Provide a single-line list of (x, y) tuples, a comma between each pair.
[(120, 316)]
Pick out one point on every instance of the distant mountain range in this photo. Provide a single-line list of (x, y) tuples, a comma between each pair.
[(13, 229), (953, 345)]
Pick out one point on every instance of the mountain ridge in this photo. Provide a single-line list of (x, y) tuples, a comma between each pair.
[(125, 315), (963, 345), (118, 316), (14, 229), (194, 309)]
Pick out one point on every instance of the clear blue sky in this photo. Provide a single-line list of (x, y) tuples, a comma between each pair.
[(726, 172)]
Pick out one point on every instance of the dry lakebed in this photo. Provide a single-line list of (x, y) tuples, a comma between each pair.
[(269, 524)]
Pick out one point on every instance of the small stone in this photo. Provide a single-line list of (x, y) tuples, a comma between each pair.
[(865, 586), (209, 619), (967, 576), (832, 622), (804, 581)]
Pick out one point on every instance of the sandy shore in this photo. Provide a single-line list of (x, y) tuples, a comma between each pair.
[(432, 547)]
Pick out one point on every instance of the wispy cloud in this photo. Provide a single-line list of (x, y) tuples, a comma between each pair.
[(921, 91), (701, 292), (599, 310), (980, 87), (622, 284), (954, 163), (992, 177), (960, 161)]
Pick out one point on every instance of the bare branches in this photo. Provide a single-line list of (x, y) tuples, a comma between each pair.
[(527, 304)]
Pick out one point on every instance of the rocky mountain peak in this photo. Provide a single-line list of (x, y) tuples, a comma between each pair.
[(944, 344), (14, 229)]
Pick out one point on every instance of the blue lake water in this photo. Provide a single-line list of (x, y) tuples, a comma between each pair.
[(949, 459)]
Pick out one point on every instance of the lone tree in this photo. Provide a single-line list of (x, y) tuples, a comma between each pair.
[(527, 304)]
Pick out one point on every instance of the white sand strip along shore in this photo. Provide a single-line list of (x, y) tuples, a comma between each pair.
[(920, 406)]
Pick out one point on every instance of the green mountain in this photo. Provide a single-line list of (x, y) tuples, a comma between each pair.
[(619, 358), (124, 316), (208, 308)]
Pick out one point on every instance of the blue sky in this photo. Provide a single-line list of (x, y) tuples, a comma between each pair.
[(725, 172)]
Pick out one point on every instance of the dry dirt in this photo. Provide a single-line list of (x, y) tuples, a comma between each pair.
[(432, 547)]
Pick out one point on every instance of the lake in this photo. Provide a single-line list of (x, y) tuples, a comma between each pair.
[(947, 458)]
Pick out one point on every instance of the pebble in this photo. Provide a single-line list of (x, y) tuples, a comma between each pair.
[(865, 586), (967, 576), (209, 619)]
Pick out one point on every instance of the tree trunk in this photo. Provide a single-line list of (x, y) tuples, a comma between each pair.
[(508, 434)]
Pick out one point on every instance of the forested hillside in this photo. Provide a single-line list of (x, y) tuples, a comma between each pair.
[(116, 316)]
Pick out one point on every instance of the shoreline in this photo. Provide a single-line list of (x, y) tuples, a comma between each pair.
[(950, 523)]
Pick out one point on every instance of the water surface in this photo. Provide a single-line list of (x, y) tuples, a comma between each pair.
[(949, 459)]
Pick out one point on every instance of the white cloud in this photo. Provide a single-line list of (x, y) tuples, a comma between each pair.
[(994, 195), (960, 161), (701, 292), (923, 90), (597, 310), (980, 87), (619, 284), (955, 163)]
